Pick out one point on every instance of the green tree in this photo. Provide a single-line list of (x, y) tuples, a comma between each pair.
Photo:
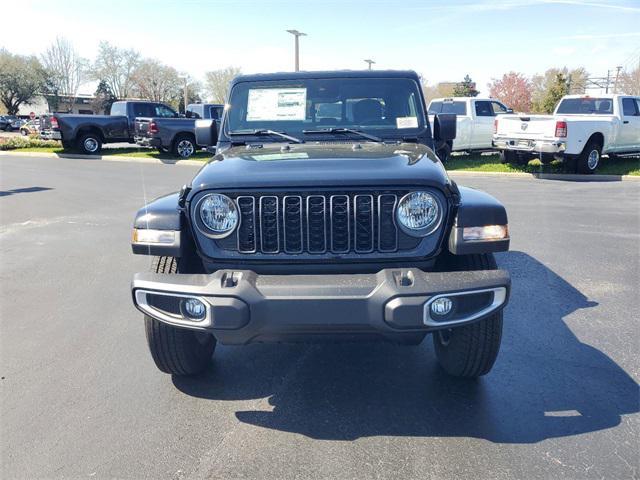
[(104, 98), (21, 79), (575, 81), (466, 88), (553, 94)]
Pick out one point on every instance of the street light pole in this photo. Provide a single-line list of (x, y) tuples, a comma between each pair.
[(369, 61), (297, 34), (185, 77)]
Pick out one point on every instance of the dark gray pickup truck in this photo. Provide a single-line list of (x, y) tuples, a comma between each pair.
[(175, 134), (87, 133), (325, 214)]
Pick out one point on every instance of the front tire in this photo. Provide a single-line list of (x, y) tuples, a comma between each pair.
[(445, 153), (177, 351), (471, 350), (589, 158)]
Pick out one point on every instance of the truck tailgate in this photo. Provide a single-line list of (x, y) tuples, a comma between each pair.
[(526, 126), (142, 126)]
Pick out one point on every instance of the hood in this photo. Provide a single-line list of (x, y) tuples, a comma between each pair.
[(322, 164)]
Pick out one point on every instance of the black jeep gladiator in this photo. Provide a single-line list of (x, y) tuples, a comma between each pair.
[(325, 214)]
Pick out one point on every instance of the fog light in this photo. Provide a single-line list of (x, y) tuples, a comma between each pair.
[(193, 309), (441, 306)]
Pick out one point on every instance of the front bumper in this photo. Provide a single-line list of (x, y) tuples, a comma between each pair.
[(529, 145), (148, 142), (244, 307)]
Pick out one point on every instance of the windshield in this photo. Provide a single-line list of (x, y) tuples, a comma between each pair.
[(598, 106), (383, 106), (459, 108)]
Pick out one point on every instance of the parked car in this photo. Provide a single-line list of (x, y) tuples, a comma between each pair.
[(175, 134), (205, 111), (475, 121), (307, 227), (581, 129), (12, 122), (31, 127), (4, 121), (87, 133)]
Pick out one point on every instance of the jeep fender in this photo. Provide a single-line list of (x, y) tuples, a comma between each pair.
[(477, 209)]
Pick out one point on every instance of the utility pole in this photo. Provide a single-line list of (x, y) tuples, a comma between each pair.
[(369, 61), (185, 77), (297, 34), (615, 83), (606, 90)]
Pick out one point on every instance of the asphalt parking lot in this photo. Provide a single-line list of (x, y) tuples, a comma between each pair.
[(81, 398)]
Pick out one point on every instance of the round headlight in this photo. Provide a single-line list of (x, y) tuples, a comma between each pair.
[(418, 213), (218, 213)]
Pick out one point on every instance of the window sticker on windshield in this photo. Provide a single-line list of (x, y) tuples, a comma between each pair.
[(407, 122), (276, 104)]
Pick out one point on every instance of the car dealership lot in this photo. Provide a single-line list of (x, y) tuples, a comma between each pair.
[(82, 398)]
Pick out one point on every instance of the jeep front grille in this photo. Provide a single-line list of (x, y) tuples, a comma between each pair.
[(317, 223)]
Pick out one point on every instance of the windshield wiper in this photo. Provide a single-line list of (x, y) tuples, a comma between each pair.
[(264, 131), (368, 136)]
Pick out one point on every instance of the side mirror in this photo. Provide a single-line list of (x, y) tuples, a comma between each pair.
[(206, 133), (444, 127)]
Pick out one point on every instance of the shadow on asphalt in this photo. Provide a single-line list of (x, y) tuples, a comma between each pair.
[(545, 384), (14, 191)]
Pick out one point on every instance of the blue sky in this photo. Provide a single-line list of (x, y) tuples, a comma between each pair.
[(442, 40)]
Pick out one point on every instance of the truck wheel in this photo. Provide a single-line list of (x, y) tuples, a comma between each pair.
[(471, 350), (90, 144), (184, 146), (589, 158), (444, 153), (178, 351), (507, 156)]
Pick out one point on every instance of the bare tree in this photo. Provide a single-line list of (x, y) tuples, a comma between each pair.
[(438, 90), (217, 83), (65, 68), (115, 66), (21, 79), (630, 82), (154, 81)]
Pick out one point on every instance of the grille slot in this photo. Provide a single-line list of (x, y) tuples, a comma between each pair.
[(269, 229), (247, 228), (317, 223), (340, 228)]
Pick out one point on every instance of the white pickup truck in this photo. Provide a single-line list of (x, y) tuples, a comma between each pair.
[(581, 129), (474, 121)]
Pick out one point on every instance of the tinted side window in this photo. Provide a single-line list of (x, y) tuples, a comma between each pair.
[(195, 111), (162, 111), (629, 108), (142, 110), (483, 109), (498, 108), (216, 112)]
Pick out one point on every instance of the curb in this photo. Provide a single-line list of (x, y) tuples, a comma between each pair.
[(575, 177), (541, 176), (108, 158)]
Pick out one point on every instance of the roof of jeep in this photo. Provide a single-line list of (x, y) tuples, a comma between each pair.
[(261, 77)]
